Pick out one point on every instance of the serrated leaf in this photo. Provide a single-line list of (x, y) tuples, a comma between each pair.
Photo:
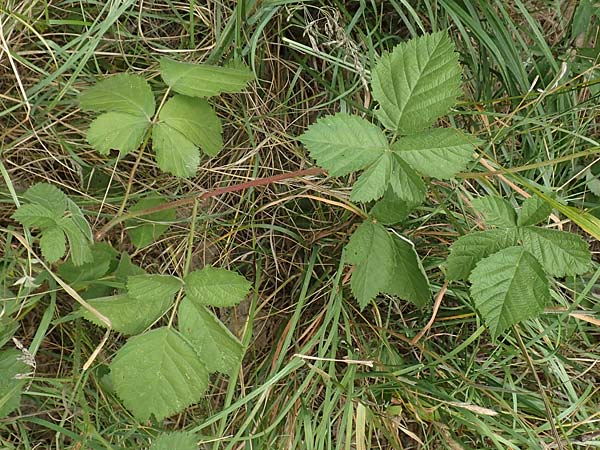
[(220, 350), (391, 209), (216, 287), (533, 211), (406, 183), (178, 440), (496, 210), (117, 131), (439, 153), (129, 315), (103, 259), (560, 253), (175, 153), (343, 144), (123, 93), (417, 83), (195, 119), (12, 380), (373, 182), (47, 195), (79, 245), (509, 287), (471, 248), (371, 249), (145, 230), (158, 374), (408, 280), (53, 244), (202, 80), (34, 215), (146, 286)]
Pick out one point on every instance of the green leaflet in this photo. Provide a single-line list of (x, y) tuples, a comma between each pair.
[(391, 209), (496, 210), (145, 230), (406, 183), (178, 440), (373, 182), (216, 287), (533, 211), (119, 131)]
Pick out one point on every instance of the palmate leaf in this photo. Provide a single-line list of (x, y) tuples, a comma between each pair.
[(509, 287), (220, 350), (178, 440), (439, 153), (533, 211), (158, 374), (216, 287), (496, 210), (416, 83), (145, 230), (12, 380), (197, 80)]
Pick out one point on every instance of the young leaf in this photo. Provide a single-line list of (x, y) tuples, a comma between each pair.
[(53, 244), (147, 229), (178, 440), (119, 131), (158, 373), (560, 253), (195, 119), (471, 248), (417, 83), (220, 350), (406, 183), (496, 210), (391, 209), (343, 144), (508, 287), (12, 380), (408, 281), (373, 182), (372, 250), (175, 153), (533, 211), (145, 286), (216, 287), (201, 80), (439, 153)]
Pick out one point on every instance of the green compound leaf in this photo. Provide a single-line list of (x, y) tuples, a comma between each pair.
[(439, 153), (123, 93), (195, 120), (175, 153), (373, 182), (560, 253), (13, 379), (416, 83), (471, 248), (158, 374), (408, 281), (372, 250), (391, 209), (145, 230), (343, 144), (216, 287), (160, 286), (178, 440), (533, 211), (119, 131), (406, 183), (509, 287), (53, 244), (198, 80), (497, 211), (220, 350)]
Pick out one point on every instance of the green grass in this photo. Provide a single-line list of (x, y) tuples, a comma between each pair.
[(535, 388)]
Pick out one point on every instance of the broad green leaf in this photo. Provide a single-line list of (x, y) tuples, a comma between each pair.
[(372, 250), (533, 211), (216, 287), (79, 244), (202, 80), (391, 209), (342, 143), (178, 440), (439, 152), (497, 211), (220, 350), (117, 131), (175, 153), (147, 286), (126, 268), (471, 248), (13, 378), (158, 374), (195, 119), (416, 83), (124, 93), (406, 183), (129, 315), (47, 195), (147, 229), (34, 215), (509, 287), (373, 182), (53, 244), (559, 252), (103, 260), (408, 280)]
